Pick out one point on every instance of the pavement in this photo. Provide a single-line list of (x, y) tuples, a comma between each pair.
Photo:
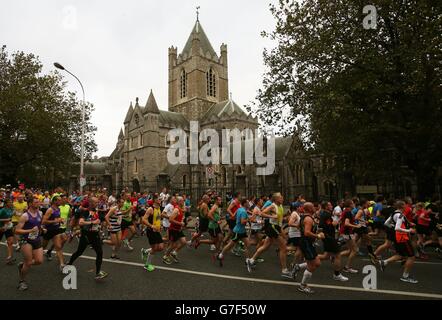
[(197, 277)]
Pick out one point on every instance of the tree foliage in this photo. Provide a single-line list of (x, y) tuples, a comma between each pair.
[(40, 123), (373, 95)]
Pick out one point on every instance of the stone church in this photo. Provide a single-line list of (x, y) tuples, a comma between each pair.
[(198, 90)]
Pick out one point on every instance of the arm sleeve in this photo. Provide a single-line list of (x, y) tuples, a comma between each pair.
[(399, 225)]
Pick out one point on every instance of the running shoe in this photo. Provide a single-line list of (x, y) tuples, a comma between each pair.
[(305, 289), (10, 261), (249, 265), (197, 243), (48, 256), (220, 259), (115, 257), (101, 275), (189, 243), (174, 256), (286, 274), (259, 260), (61, 267), (295, 271), (408, 279), (143, 254), (17, 247), (350, 270), (167, 260), (382, 265), (22, 286), (149, 267), (212, 247), (340, 277), (373, 259)]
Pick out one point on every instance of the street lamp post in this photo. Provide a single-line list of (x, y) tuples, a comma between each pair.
[(59, 66)]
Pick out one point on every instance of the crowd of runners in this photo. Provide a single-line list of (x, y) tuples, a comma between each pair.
[(39, 223)]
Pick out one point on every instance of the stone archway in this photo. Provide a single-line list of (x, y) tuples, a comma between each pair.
[(136, 185)]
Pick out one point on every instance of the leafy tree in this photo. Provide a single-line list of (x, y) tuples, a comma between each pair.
[(40, 123), (373, 96)]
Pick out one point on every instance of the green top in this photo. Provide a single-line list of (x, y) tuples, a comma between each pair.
[(213, 224), (5, 213), (128, 216), (64, 214)]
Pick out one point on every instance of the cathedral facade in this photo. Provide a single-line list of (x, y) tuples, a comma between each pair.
[(198, 91)]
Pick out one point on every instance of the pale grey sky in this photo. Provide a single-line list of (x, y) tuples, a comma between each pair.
[(118, 49)]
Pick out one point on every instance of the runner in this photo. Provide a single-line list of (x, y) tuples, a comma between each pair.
[(257, 236), (331, 246), (6, 229), (231, 218), (404, 249), (51, 222), (239, 233), (90, 235), (203, 210), (214, 228), (20, 206), (127, 224), (387, 212), (361, 219), (113, 220), (308, 237), (166, 213), (294, 233), (275, 213), (177, 239), (152, 220), (347, 236), (29, 228)]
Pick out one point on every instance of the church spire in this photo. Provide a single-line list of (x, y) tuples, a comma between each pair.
[(198, 14)]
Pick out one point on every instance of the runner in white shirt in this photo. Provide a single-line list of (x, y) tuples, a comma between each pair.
[(166, 214)]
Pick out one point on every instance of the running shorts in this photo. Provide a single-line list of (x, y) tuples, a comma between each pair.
[(7, 233), (175, 235), (391, 236), (238, 236), (360, 231), (378, 225), (52, 233), (272, 231), (331, 245), (36, 244), (307, 249), (215, 232), (125, 224), (294, 241), (404, 249), (203, 225), (154, 237), (232, 224), (425, 230)]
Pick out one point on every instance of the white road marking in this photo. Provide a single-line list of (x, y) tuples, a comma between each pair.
[(222, 276)]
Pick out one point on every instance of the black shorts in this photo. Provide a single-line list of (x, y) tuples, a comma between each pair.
[(238, 236), (126, 224), (360, 231), (404, 249), (102, 216), (294, 241), (154, 237), (175, 235), (52, 233), (187, 214), (215, 232), (308, 250), (36, 244), (331, 245), (378, 225), (8, 234), (391, 235), (272, 231), (231, 223), (425, 230), (203, 225)]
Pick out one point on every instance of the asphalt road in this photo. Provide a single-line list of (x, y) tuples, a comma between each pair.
[(197, 277)]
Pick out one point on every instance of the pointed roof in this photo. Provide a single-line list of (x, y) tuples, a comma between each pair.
[(205, 45), (151, 105), (121, 135), (227, 108), (129, 113)]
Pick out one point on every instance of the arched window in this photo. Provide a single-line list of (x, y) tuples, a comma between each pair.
[(184, 181), (224, 176), (183, 84), (211, 83), (135, 165)]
